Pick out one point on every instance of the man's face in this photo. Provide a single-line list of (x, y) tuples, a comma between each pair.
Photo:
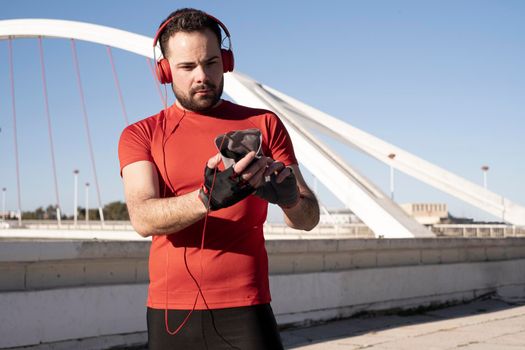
[(196, 66)]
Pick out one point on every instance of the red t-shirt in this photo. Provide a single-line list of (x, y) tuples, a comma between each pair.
[(234, 259)]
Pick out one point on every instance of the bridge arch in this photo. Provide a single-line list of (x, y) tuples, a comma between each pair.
[(357, 193)]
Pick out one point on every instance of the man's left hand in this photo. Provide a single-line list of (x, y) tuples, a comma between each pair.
[(280, 186), (252, 170), (273, 181)]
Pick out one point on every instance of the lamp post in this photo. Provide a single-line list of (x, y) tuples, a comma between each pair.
[(485, 169), (87, 202), (3, 203), (75, 200), (391, 156)]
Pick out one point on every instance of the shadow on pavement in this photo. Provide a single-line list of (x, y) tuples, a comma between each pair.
[(370, 323)]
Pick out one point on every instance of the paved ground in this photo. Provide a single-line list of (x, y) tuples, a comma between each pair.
[(482, 325), (490, 324)]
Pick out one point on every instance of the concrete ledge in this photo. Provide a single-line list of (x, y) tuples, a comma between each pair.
[(99, 288), (313, 297), (29, 317), (38, 265), (71, 313), (48, 250), (343, 254)]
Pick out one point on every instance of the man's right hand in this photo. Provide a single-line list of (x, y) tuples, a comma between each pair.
[(222, 189)]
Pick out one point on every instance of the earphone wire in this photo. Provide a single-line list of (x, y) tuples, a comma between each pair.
[(164, 141), (198, 283), (203, 235)]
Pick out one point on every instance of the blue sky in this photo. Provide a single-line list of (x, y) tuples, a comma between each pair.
[(444, 80)]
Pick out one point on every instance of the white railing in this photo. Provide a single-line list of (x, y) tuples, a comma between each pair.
[(477, 230), (69, 225), (354, 230), (320, 231)]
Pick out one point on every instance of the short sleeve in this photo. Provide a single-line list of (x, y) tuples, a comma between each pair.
[(279, 141), (135, 144)]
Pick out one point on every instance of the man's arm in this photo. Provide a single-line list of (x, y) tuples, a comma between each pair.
[(151, 215), (305, 214)]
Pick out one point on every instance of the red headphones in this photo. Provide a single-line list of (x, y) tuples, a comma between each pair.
[(163, 66)]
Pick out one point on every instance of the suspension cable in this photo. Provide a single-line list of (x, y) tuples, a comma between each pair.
[(49, 129), (117, 84), (162, 99), (88, 133), (13, 99)]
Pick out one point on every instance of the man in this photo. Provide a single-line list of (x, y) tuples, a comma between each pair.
[(208, 264)]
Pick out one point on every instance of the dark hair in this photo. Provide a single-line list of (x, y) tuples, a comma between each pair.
[(187, 20)]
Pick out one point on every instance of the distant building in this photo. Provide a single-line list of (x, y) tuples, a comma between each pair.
[(426, 213)]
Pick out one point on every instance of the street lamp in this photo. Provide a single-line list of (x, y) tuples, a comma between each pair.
[(87, 202), (75, 200), (3, 203), (485, 169), (391, 156)]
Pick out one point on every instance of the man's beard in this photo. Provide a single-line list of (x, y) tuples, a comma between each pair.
[(202, 103)]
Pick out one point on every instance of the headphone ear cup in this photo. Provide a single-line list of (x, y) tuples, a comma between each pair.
[(227, 60), (164, 71)]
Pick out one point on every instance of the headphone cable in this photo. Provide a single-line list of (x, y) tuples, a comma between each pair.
[(203, 235)]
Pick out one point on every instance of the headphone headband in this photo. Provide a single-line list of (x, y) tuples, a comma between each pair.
[(166, 22)]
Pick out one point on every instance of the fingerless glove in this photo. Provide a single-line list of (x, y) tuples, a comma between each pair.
[(284, 194), (227, 190)]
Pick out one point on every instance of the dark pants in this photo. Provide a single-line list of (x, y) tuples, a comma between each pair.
[(245, 328)]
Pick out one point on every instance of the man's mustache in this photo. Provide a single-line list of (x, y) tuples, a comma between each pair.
[(205, 86)]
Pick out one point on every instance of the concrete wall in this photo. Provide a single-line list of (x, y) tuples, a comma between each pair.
[(61, 291)]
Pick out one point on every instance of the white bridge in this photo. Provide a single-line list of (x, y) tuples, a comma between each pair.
[(384, 217), (95, 276)]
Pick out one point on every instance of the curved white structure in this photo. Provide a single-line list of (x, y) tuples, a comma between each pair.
[(375, 208), (55, 28)]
